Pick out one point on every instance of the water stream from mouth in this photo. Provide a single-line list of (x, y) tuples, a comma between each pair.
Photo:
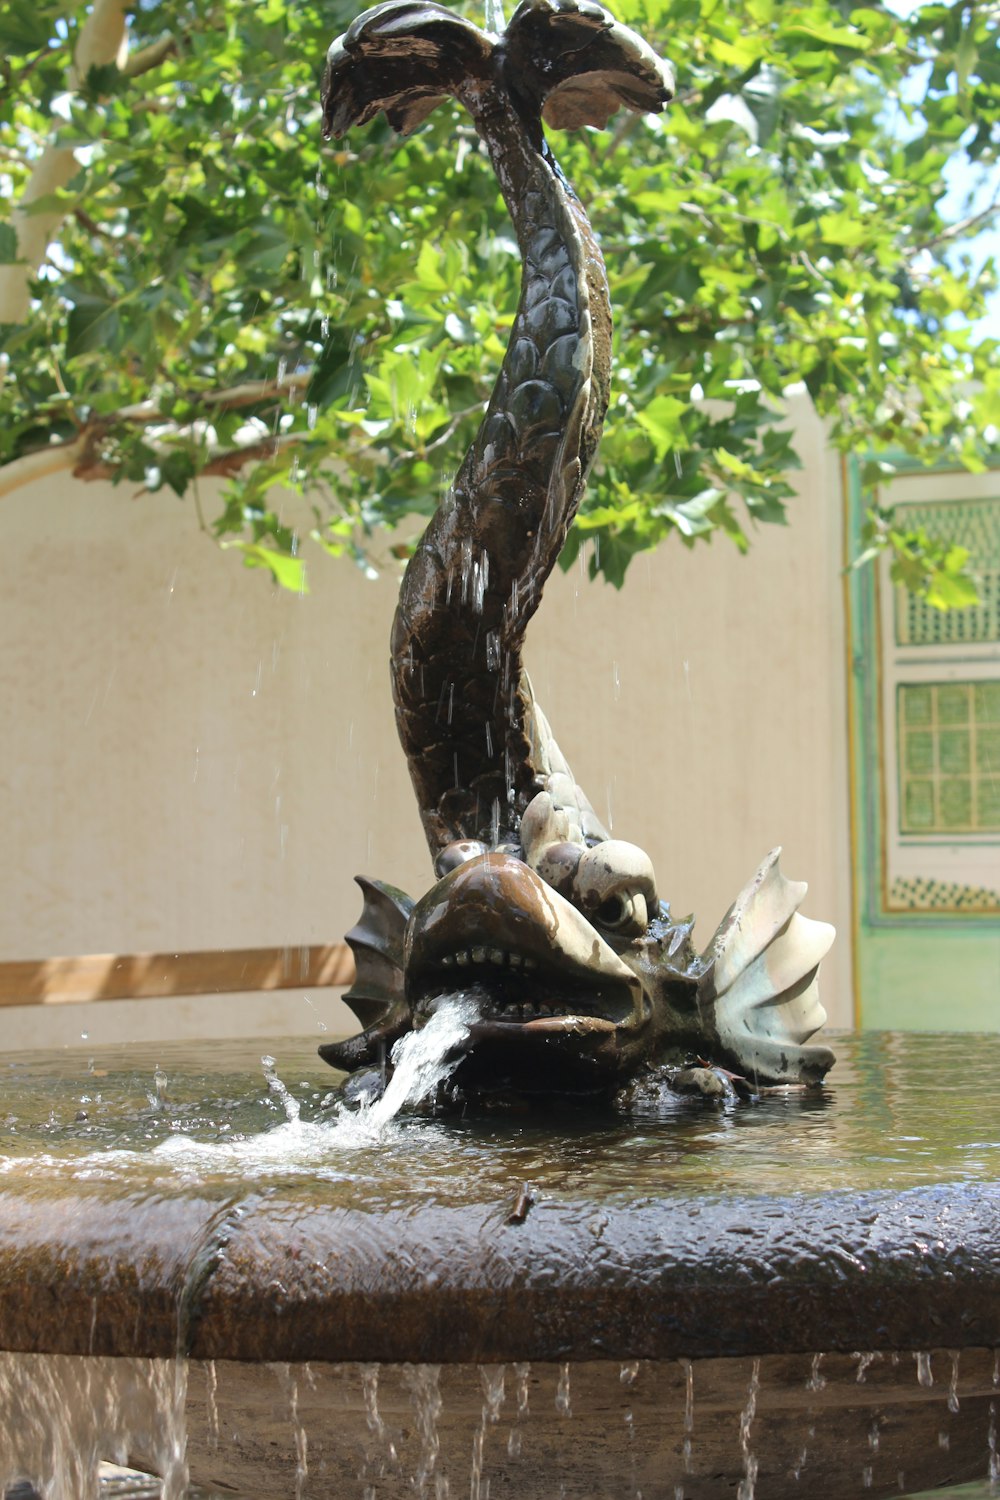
[(423, 1059)]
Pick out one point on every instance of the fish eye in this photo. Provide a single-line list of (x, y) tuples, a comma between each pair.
[(457, 853), (623, 912)]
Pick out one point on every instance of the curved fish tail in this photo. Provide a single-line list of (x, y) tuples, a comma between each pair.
[(758, 992)]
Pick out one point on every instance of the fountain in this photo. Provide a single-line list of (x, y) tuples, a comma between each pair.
[(652, 1253)]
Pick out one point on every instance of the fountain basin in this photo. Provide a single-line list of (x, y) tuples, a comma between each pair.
[(205, 1219), (268, 1276)]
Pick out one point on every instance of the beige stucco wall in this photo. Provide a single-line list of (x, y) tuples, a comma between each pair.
[(192, 759)]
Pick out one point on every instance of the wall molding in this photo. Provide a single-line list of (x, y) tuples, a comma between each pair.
[(152, 976)]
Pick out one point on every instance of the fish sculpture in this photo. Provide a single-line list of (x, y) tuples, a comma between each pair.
[(580, 979)]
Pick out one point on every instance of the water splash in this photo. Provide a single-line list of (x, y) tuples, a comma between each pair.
[(279, 1090), (496, 21), (157, 1096)]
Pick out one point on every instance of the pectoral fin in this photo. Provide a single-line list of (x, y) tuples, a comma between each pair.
[(758, 992)]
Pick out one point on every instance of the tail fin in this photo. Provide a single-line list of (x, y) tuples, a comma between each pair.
[(403, 57), (758, 991), (572, 63)]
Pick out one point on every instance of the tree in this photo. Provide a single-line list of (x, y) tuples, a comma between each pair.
[(194, 284)]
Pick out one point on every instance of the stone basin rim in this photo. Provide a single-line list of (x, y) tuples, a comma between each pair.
[(268, 1277)]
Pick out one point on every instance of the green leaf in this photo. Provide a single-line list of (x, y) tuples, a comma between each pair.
[(288, 571), (8, 244), (948, 591), (428, 274), (93, 326), (24, 27), (661, 419), (815, 27)]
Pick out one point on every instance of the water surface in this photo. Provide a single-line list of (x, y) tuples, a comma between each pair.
[(898, 1111)]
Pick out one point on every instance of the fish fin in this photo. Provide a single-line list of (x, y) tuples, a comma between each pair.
[(376, 941), (377, 996), (403, 57), (576, 65), (758, 989), (554, 776)]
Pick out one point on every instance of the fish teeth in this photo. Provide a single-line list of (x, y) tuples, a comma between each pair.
[(479, 955), (461, 957)]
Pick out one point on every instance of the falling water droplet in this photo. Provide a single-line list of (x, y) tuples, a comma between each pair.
[(522, 1374), (424, 1382), (211, 1399), (688, 1368), (563, 1406), (816, 1380), (925, 1375), (290, 1386), (745, 1490), (953, 1402)]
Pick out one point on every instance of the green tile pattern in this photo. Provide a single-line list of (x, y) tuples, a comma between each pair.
[(921, 893), (975, 525), (949, 757)]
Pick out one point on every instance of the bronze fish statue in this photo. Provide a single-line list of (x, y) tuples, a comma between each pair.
[(581, 980)]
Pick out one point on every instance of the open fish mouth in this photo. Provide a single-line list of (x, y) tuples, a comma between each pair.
[(538, 970)]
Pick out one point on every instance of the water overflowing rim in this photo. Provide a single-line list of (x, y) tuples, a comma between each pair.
[(263, 1277)]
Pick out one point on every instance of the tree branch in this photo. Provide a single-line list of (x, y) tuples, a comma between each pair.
[(149, 57), (955, 231), (81, 453), (102, 40)]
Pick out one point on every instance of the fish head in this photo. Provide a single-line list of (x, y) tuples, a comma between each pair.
[(561, 996)]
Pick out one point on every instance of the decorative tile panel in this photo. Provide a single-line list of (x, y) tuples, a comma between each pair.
[(975, 525), (949, 757)]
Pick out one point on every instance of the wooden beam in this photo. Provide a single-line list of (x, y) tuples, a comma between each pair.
[(151, 976)]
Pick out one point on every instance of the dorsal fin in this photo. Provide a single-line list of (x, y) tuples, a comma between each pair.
[(376, 941)]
